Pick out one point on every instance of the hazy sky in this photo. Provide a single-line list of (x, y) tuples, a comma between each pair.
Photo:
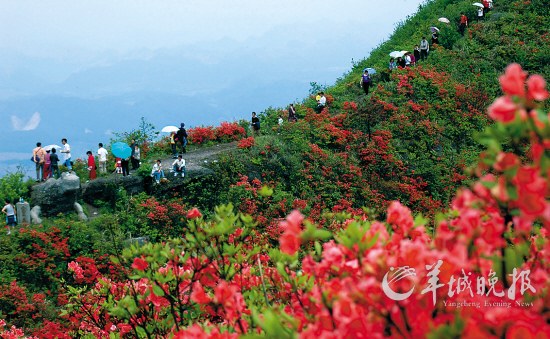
[(68, 28), (53, 51)]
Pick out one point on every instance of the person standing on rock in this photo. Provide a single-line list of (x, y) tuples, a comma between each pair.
[(178, 167), (91, 165), (54, 159), (67, 158), (47, 166), (124, 163), (9, 211), (173, 138), (38, 156), (102, 158), (136, 157), (135, 162), (182, 137)]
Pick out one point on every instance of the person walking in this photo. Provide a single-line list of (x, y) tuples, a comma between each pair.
[(102, 158), (463, 23), (91, 166), (255, 124), (157, 171), (67, 151), (54, 160), (416, 53), (38, 157), (424, 48), (292, 113), (178, 166), (182, 138), (365, 81), (9, 210)]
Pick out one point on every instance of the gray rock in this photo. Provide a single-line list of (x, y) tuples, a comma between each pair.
[(35, 215), (105, 188), (56, 195), (81, 215)]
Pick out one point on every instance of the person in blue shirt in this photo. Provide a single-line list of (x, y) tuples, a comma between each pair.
[(365, 81)]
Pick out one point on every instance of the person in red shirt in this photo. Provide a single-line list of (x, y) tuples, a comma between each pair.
[(485, 6), (91, 165), (463, 23)]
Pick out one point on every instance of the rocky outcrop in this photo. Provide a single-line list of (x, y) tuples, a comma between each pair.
[(105, 188), (56, 195)]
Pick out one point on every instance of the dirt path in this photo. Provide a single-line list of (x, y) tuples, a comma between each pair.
[(196, 160)]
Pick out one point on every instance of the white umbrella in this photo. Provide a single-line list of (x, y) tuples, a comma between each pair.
[(404, 52), (445, 20), (370, 70), (49, 147), (169, 129), (434, 29), (478, 4), (396, 54)]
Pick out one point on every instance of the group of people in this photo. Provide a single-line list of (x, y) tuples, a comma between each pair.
[(122, 165), (178, 137), (178, 168), (47, 161), (420, 53)]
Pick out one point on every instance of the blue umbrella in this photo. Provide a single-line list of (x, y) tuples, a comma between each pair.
[(121, 150)]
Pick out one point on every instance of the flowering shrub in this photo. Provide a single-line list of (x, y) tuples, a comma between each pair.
[(229, 131), (246, 143), (200, 135), (463, 278)]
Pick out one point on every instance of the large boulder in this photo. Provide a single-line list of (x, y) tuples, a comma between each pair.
[(56, 195), (105, 188)]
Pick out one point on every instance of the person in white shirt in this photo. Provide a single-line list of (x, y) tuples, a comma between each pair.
[(102, 158), (321, 103), (67, 151), (157, 171), (179, 166)]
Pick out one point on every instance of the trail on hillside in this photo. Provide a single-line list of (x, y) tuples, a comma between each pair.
[(198, 159)]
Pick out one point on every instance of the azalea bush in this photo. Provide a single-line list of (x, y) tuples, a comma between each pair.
[(479, 269)]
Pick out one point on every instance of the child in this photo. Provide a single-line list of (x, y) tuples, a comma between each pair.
[(118, 166)]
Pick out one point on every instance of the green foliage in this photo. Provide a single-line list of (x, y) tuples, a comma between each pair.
[(13, 186)]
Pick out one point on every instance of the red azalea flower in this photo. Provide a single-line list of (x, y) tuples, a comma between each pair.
[(506, 161), (503, 110), (513, 80), (536, 88), (140, 264), (194, 213), (198, 295), (290, 239)]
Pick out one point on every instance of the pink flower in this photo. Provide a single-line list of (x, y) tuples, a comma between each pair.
[(513, 80), (78, 271), (506, 161), (536, 88), (503, 110), (140, 264), (194, 213)]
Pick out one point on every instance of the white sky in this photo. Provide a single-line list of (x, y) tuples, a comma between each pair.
[(61, 28)]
